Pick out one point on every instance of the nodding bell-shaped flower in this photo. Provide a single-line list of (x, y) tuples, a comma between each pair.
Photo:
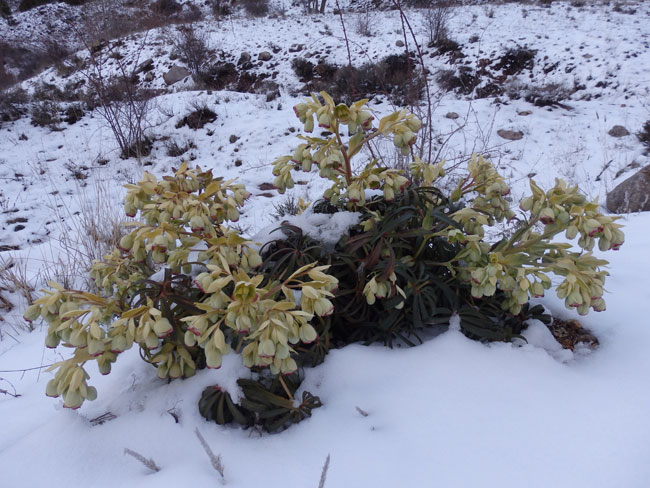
[(197, 224), (547, 216), (126, 242), (32, 313), (324, 120)]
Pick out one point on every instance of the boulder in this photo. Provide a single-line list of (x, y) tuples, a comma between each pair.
[(264, 56), (510, 135), (244, 58), (452, 115), (618, 131), (175, 74), (145, 66), (399, 43), (633, 195)]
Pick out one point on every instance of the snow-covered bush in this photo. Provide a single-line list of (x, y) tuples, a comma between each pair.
[(187, 288)]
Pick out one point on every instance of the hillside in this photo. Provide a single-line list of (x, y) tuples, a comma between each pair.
[(535, 87)]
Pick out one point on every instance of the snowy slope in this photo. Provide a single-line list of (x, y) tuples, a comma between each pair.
[(449, 413)]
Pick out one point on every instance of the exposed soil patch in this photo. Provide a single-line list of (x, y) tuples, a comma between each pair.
[(198, 118), (569, 333)]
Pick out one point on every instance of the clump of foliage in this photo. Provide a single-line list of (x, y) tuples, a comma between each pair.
[(186, 288), (423, 254)]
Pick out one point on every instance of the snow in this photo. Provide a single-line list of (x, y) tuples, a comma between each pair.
[(451, 412), (325, 228)]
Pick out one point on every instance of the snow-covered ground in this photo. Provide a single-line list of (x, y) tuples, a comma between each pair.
[(449, 413)]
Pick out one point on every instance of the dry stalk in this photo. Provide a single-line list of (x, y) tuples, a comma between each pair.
[(215, 460), (149, 463)]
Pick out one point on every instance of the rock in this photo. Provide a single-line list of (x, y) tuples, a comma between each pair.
[(244, 58), (144, 66), (510, 135), (452, 115), (618, 131), (264, 56), (399, 43), (523, 113), (175, 74), (633, 195), (148, 77), (294, 48)]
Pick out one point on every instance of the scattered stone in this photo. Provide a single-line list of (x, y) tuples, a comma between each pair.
[(149, 77), (632, 195), (233, 139), (510, 135), (523, 113), (144, 66), (239, 162), (452, 115), (23, 137), (19, 228), (175, 74), (618, 131), (264, 56), (244, 58), (399, 43), (267, 186), (294, 48)]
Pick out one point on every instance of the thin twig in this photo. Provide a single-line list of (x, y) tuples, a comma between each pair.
[(214, 459), (149, 463), (323, 474)]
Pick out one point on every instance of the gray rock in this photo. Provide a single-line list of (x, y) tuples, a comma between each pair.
[(452, 115), (399, 43), (633, 195), (618, 131), (148, 77), (510, 135), (264, 56), (244, 58), (175, 74), (144, 66)]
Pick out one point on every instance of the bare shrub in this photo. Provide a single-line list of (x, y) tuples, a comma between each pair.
[(166, 8), (85, 234), (13, 104), (46, 114), (314, 6), (14, 278), (395, 76), (198, 116), (220, 8), (174, 149), (124, 105), (256, 8), (192, 48), (303, 68), (436, 20), (363, 24)]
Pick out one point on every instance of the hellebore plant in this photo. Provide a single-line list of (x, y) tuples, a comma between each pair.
[(187, 289)]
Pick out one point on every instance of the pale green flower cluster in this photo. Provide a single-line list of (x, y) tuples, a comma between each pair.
[(268, 317), (333, 156), (184, 228), (520, 265)]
